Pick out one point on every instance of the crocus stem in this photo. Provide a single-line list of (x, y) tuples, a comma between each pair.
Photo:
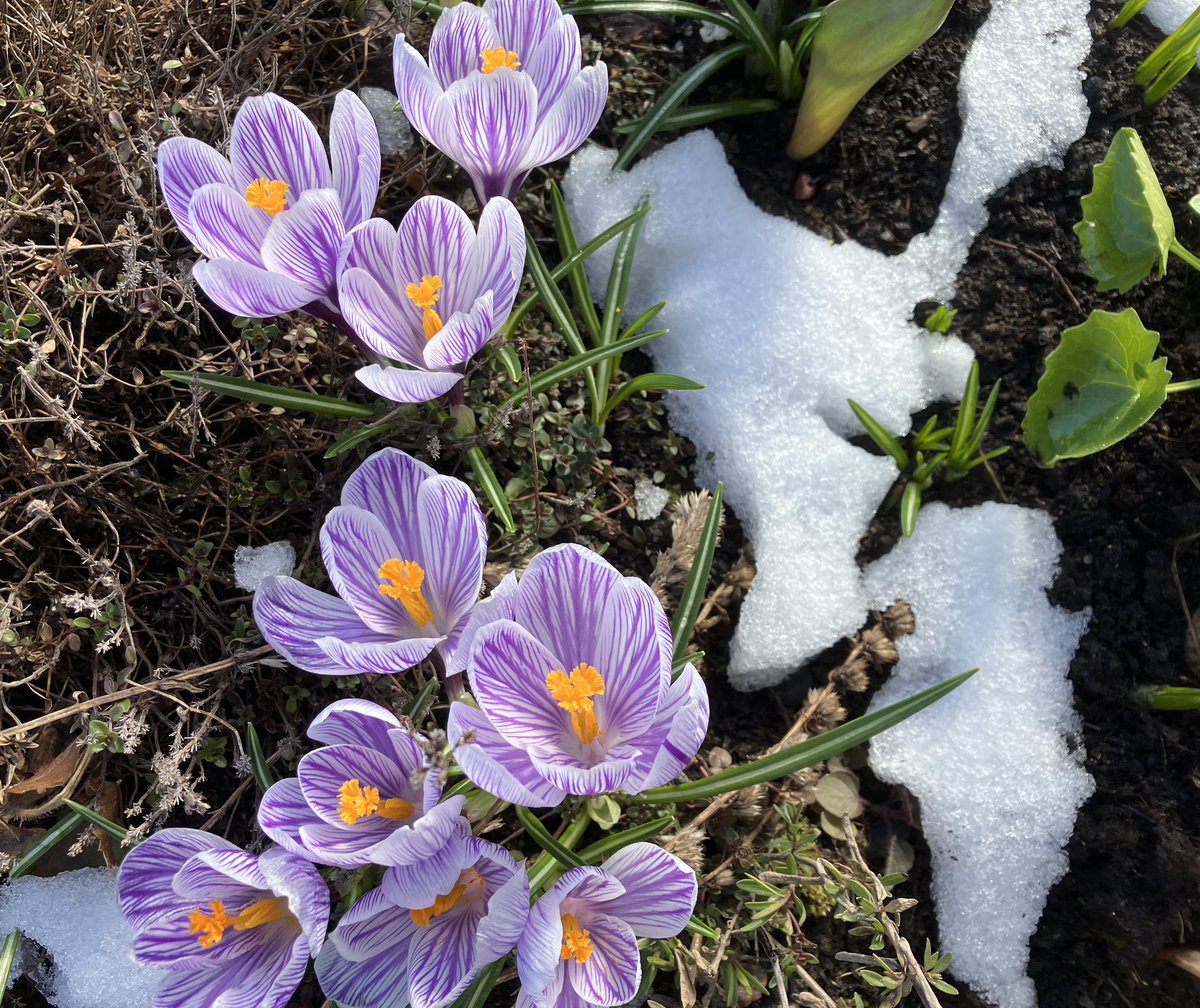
[(1184, 254), (547, 868), (1183, 386)]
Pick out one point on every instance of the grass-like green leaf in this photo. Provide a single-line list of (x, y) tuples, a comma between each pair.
[(272, 395), (701, 115), (697, 579), (258, 759), (1127, 228), (879, 434), (114, 830), (1101, 383), (568, 248), (543, 838), (855, 43), (655, 8), (477, 995), (910, 507), (417, 706), (7, 954), (1171, 698), (656, 381), (803, 754), (609, 845), (357, 436), (62, 829), (1126, 13), (491, 487)]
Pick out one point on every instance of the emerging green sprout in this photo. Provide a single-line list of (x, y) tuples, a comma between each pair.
[(1170, 698), (1173, 60)]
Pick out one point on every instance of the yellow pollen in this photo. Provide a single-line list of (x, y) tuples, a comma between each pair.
[(494, 59), (406, 577), (425, 295), (577, 943), (269, 195), (469, 879), (211, 927), (573, 694), (357, 802)]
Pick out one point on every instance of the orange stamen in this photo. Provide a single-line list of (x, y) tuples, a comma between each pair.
[(211, 927), (357, 802), (467, 880), (425, 295), (494, 59), (573, 693), (269, 195), (577, 943), (407, 577)]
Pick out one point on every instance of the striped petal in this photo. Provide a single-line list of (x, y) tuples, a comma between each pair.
[(613, 971), (554, 62), (323, 771), (273, 139), (570, 121), (522, 24), (676, 735), (184, 167), (494, 117), (292, 617), (507, 905), (353, 721), (460, 35), (380, 981), (354, 150), (372, 247), (566, 771), (281, 814), (497, 606), (493, 764), (225, 226), (379, 319), (442, 960), (453, 547), (422, 98), (436, 238), (462, 337), (660, 890), (371, 927), (144, 880), (242, 289), (231, 875), (407, 386), (306, 891), (379, 659), (417, 885), (500, 255), (435, 831), (354, 545), (304, 242)]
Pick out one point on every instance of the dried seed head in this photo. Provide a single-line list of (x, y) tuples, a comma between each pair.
[(898, 619), (879, 647), (687, 845), (748, 803), (853, 676)]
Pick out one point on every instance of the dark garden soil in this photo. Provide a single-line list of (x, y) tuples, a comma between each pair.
[(112, 476)]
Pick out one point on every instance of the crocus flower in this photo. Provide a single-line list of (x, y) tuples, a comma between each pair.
[(503, 91), (573, 682), (231, 928), (366, 797), (579, 949), (422, 937), (431, 293), (272, 217), (405, 552)]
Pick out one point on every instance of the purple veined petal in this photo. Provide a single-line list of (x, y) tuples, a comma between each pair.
[(496, 606), (354, 722), (354, 150), (341, 846), (500, 255), (409, 756), (436, 238), (660, 890), (304, 242), (462, 337), (291, 616), (436, 830), (220, 874), (242, 289), (564, 770), (416, 886), (376, 317), (676, 735), (283, 980), (252, 976), (442, 961), (379, 659), (495, 765), (407, 386), (508, 674), (224, 226), (170, 944), (273, 139), (307, 892), (380, 981), (354, 545), (324, 771), (460, 35), (554, 62), (453, 547), (144, 879), (184, 167), (570, 121), (422, 98), (505, 921), (550, 997), (613, 972), (372, 926), (386, 484), (522, 24), (371, 246), (281, 814), (494, 117)]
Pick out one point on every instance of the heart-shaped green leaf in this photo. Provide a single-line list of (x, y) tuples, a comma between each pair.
[(1127, 228), (1102, 382)]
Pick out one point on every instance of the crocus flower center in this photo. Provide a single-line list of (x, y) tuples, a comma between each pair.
[(573, 693), (577, 943), (210, 927), (469, 881), (494, 59), (406, 577), (357, 802), (267, 194), (425, 295)]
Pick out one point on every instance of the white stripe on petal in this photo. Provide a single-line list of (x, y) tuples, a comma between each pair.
[(660, 890), (242, 289), (272, 139), (225, 226), (568, 124), (375, 315), (184, 166), (494, 117), (460, 35), (354, 149), (406, 386), (305, 241)]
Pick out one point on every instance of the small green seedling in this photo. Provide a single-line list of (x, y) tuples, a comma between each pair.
[(1101, 383), (1170, 698), (1127, 230), (946, 452), (1173, 60)]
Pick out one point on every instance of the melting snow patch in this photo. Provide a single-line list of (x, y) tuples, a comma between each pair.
[(1167, 15), (75, 917), (649, 499), (998, 782), (251, 564), (783, 327)]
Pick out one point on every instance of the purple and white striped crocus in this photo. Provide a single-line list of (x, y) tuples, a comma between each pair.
[(430, 293), (229, 927), (503, 91), (573, 682), (271, 219), (405, 553), (422, 937), (366, 797), (579, 949)]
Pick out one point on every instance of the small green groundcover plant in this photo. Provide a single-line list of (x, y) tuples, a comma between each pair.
[(1103, 381)]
